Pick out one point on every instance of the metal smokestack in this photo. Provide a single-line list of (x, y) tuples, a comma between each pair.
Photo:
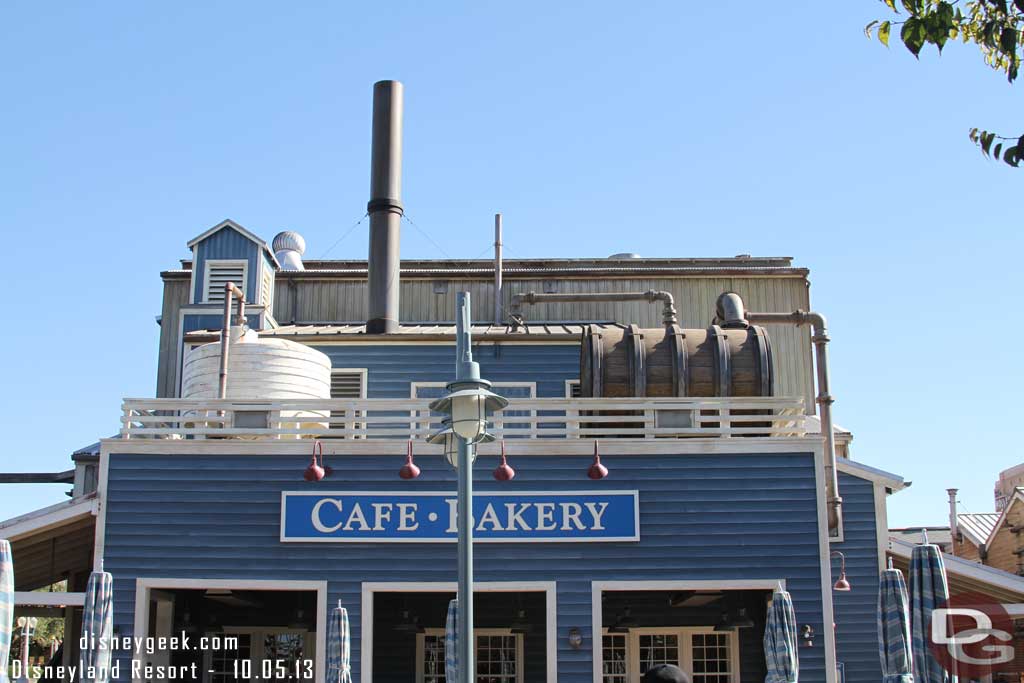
[(385, 208)]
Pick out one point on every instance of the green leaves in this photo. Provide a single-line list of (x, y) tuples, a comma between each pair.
[(883, 32), (1009, 154), (913, 35)]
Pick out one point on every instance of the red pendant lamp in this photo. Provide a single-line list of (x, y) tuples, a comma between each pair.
[(504, 471), (315, 472), (597, 470), (409, 469)]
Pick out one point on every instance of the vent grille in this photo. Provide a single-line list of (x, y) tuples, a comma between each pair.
[(219, 276), (265, 289), (347, 384), (575, 389)]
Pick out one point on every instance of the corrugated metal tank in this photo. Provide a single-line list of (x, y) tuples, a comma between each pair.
[(260, 369)]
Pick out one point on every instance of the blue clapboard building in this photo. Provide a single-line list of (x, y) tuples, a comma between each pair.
[(698, 382)]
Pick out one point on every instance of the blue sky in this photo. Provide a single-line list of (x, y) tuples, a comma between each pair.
[(696, 129)]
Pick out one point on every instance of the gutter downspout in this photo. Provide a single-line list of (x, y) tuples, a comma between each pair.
[(230, 290), (669, 315), (824, 399)]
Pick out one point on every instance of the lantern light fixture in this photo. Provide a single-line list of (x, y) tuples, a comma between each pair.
[(467, 403), (449, 441)]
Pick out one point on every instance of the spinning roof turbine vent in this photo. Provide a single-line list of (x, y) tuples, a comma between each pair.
[(289, 248)]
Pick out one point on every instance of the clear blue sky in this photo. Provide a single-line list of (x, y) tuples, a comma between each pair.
[(696, 129)]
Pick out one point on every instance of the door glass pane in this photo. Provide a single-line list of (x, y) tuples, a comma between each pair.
[(223, 662), (496, 659), (433, 659), (712, 662), (658, 648), (284, 652), (614, 658)]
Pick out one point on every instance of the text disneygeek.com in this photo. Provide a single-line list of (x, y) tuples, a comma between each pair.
[(144, 650)]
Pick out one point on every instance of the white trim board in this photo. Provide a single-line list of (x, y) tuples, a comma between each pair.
[(549, 588), (47, 518), (144, 585)]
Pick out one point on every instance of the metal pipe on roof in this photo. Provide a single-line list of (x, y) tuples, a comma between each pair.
[(230, 290), (498, 294), (385, 208), (669, 315), (952, 518), (824, 398)]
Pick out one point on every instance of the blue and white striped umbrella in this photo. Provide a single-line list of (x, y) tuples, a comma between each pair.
[(451, 641), (6, 606), (780, 644), (894, 628), (97, 626), (928, 588), (339, 647)]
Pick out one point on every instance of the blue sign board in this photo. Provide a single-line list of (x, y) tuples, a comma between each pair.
[(430, 517)]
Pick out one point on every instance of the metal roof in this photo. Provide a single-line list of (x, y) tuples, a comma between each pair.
[(977, 526), (526, 332)]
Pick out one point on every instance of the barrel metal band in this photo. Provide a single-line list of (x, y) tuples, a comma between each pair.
[(722, 364)]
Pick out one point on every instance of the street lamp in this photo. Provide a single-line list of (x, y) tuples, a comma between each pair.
[(466, 405)]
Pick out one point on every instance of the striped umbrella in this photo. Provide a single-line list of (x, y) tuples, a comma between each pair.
[(6, 606), (451, 640), (780, 645), (928, 588), (339, 647), (894, 628), (97, 627)]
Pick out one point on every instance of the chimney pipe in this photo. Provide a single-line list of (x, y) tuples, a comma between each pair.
[(499, 318), (385, 208), (952, 517)]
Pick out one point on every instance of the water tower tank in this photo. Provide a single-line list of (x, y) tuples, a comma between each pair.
[(261, 371)]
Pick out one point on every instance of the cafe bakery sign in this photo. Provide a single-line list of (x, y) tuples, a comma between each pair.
[(430, 517)]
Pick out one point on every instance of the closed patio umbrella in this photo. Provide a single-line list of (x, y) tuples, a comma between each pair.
[(339, 647), (451, 640), (6, 606), (894, 628), (928, 588), (780, 644), (97, 627)]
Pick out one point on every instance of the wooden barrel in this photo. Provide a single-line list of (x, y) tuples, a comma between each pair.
[(670, 361)]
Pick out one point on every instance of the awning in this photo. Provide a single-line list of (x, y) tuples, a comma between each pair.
[(966, 576), (52, 543)]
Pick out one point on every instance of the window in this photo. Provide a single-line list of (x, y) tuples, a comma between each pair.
[(573, 389), (499, 656), (657, 648), (281, 652), (219, 273), (708, 656), (615, 667), (348, 382)]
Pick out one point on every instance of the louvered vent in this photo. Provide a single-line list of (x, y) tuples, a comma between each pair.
[(575, 390), (265, 288), (220, 275), (347, 384)]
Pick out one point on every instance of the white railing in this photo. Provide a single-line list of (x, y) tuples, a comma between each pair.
[(535, 418)]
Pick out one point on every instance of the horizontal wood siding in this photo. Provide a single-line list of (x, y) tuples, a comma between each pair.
[(227, 244), (856, 611), (702, 517), (391, 369)]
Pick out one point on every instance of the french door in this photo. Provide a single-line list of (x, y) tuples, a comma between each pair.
[(709, 656), (263, 654), (499, 656)]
